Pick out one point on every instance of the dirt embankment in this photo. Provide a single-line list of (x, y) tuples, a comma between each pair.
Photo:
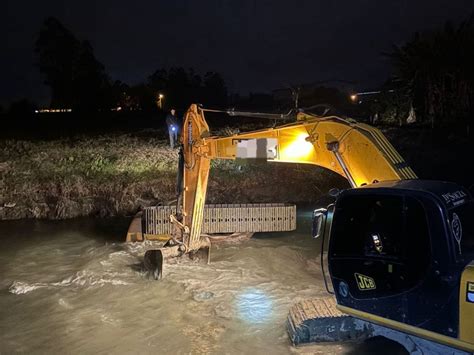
[(116, 175)]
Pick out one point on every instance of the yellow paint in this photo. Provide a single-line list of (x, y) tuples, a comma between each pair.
[(134, 237), (196, 174), (134, 233), (466, 309), (366, 152), (157, 237), (409, 329)]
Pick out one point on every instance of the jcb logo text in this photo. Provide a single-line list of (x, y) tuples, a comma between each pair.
[(364, 283)]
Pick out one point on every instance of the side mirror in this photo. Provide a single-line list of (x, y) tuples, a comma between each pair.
[(319, 222)]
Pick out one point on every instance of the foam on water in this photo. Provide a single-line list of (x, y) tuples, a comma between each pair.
[(20, 288), (74, 293), (108, 271)]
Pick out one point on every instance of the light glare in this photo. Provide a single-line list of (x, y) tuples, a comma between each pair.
[(298, 148)]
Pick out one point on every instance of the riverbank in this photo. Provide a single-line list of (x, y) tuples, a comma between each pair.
[(117, 174)]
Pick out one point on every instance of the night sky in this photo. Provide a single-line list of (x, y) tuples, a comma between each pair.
[(257, 45)]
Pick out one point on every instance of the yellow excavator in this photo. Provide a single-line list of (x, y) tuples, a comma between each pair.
[(400, 250)]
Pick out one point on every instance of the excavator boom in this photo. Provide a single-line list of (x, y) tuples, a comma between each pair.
[(356, 151)]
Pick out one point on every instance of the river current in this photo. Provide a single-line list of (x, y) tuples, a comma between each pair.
[(75, 287)]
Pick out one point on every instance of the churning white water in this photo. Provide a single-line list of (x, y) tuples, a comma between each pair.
[(74, 287)]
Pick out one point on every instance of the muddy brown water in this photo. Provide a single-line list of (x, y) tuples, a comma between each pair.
[(74, 287)]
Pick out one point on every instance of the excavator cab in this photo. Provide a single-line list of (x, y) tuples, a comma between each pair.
[(400, 253)]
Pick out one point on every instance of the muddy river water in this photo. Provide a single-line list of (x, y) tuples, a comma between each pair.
[(74, 287)]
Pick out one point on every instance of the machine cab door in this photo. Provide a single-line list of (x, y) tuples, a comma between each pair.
[(379, 253)]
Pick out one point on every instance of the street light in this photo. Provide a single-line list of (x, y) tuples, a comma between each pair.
[(359, 95), (160, 100)]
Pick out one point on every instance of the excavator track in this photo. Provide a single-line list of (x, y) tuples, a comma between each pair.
[(154, 223)]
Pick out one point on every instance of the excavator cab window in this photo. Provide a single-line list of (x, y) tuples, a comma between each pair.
[(374, 226), (383, 237)]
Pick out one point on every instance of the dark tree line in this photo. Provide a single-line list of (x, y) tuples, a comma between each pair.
[(435, 72), (78, 80), (433, 79), (181, 87)]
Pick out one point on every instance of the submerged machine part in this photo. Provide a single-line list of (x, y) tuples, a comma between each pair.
[(154, 223)]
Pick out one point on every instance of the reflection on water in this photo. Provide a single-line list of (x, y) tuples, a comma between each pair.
[(74, 287), (254, 306)]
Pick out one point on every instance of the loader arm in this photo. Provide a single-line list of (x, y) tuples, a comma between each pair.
[(358, 152)]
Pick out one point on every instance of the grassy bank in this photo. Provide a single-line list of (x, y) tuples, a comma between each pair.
[(117, 174)]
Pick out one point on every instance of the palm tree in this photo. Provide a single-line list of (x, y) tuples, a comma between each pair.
[(436, 70)]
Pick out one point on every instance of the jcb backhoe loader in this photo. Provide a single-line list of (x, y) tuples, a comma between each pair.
[(400, 250)]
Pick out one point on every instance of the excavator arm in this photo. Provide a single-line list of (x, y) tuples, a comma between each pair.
[(357, 151)]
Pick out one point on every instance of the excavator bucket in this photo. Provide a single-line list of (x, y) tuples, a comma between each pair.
[(155, 259), (154, 263)]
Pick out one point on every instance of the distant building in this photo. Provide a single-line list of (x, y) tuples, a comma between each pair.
[(53, 110)]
